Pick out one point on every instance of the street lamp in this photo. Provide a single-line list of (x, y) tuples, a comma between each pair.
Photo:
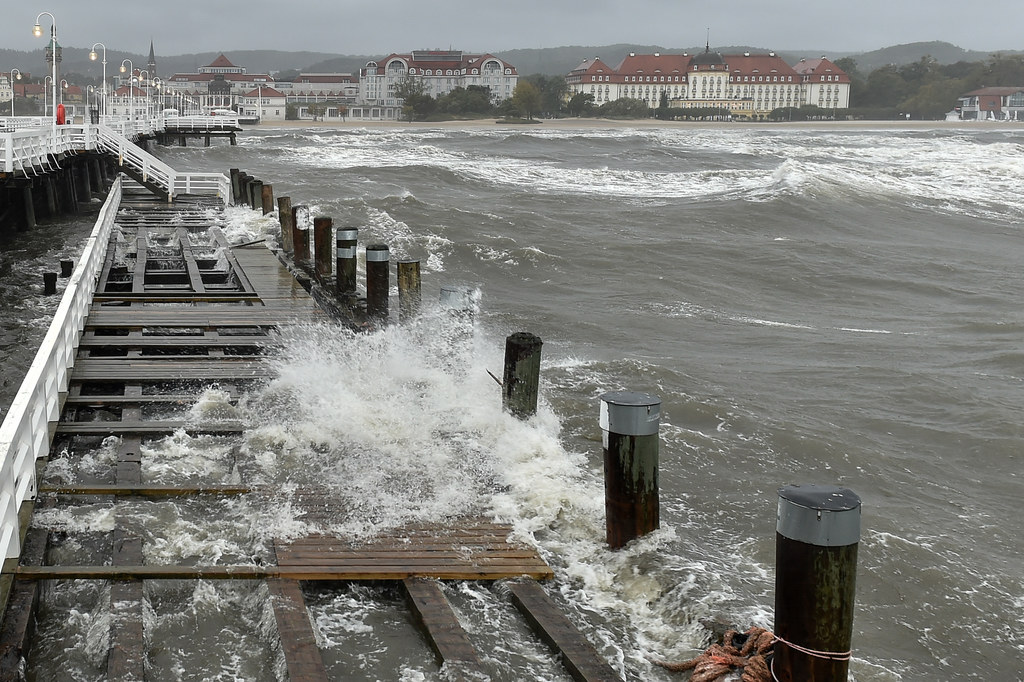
[(37, 31), (131, 93), (45, 81), (12, 89), (92, 56), (146, 81)]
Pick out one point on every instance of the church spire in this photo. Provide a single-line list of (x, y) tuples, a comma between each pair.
[(151, 65)]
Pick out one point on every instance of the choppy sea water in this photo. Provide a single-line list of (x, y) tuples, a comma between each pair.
[(833, 306)]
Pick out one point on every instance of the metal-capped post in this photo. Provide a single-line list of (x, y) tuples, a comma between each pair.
[(630, 423), (409, 294), (520, 386), (345, 240), (323, 228), (817, 535), (378, 264)]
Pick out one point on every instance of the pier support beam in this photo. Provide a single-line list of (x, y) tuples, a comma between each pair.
[(817, 534), (28, 207)]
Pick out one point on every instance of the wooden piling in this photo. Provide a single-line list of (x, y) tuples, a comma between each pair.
[(284, 216), (629, 422), (49, 283), (267, 198), (345, 248), (29, 207), (256, 198), (409, 291), (243, 189), (323, 231), (50, 188), (66, 267), (377, 280), (521, 381), (817, 534), (300, 235), (235, 173)]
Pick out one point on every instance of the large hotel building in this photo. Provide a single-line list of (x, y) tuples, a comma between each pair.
[(748, 85)]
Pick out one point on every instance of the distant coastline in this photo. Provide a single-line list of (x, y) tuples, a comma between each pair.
[(597, 123)]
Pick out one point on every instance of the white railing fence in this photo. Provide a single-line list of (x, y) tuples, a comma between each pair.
[(25, 432)]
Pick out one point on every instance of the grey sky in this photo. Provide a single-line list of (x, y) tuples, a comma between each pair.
[(383, 26)]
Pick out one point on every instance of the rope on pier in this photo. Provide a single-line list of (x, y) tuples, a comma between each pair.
[(749, 651)]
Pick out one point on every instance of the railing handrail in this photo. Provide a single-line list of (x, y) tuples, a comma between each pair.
[(25, 433)]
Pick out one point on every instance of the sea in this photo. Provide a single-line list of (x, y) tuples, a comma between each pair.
[(812, 304)]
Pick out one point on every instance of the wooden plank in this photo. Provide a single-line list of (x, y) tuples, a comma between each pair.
[(446, 635), (194, 276), (578, 655), (127, 656), (301, 654), (208, 339), (19, 617), (145, 428), (139, 276), (156, 491)]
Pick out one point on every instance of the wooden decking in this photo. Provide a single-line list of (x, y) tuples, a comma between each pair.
[(177, 310)]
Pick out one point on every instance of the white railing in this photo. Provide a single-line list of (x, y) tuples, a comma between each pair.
[(128, 154), (29, 150), (201, 123), (25, 432)]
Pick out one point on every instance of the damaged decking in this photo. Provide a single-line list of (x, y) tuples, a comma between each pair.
[(172, 315)]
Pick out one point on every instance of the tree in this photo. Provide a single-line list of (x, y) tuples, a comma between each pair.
[(552, 91), (527, 99), (476, 99), (581, 104), (625, 107), (416, 103)]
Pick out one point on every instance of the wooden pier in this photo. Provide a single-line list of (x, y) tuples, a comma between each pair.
[(178, 309)]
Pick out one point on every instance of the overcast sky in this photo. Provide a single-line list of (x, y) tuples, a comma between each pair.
[(383, 26)]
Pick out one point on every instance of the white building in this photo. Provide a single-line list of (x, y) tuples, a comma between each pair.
[(441, 72), (263, 103), (218, 85), (745, 84)]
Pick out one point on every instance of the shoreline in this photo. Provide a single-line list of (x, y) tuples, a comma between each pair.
[(604, 123)]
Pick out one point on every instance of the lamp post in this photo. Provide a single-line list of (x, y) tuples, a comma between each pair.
[(141, 81), (37, 31), (12, 89), (45, 81), (92, 56), (259, 104), (131, 90)]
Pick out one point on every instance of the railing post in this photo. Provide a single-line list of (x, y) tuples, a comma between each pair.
[(817, 534)]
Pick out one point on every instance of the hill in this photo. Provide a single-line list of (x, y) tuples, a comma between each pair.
[(548, 61)]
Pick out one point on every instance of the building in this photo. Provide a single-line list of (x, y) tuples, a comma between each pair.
[(992, 104), (747, 85), (265, 104), (218, 85), (441, 71)]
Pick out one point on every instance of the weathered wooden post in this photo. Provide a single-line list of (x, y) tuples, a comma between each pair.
[(323, 228), (345, 246), (378, 266), (521, 381), (67, 266), (267, 199), (245, 192), (409, 291), (284, 216), (235, 173), (49, 283), (817, 534), (300, 235), (630, 423), (28, 207), (256, 200)]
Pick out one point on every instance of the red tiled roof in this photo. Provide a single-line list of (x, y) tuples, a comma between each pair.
[(649, 64), (266, 92), (820, 67), (221, 62)]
